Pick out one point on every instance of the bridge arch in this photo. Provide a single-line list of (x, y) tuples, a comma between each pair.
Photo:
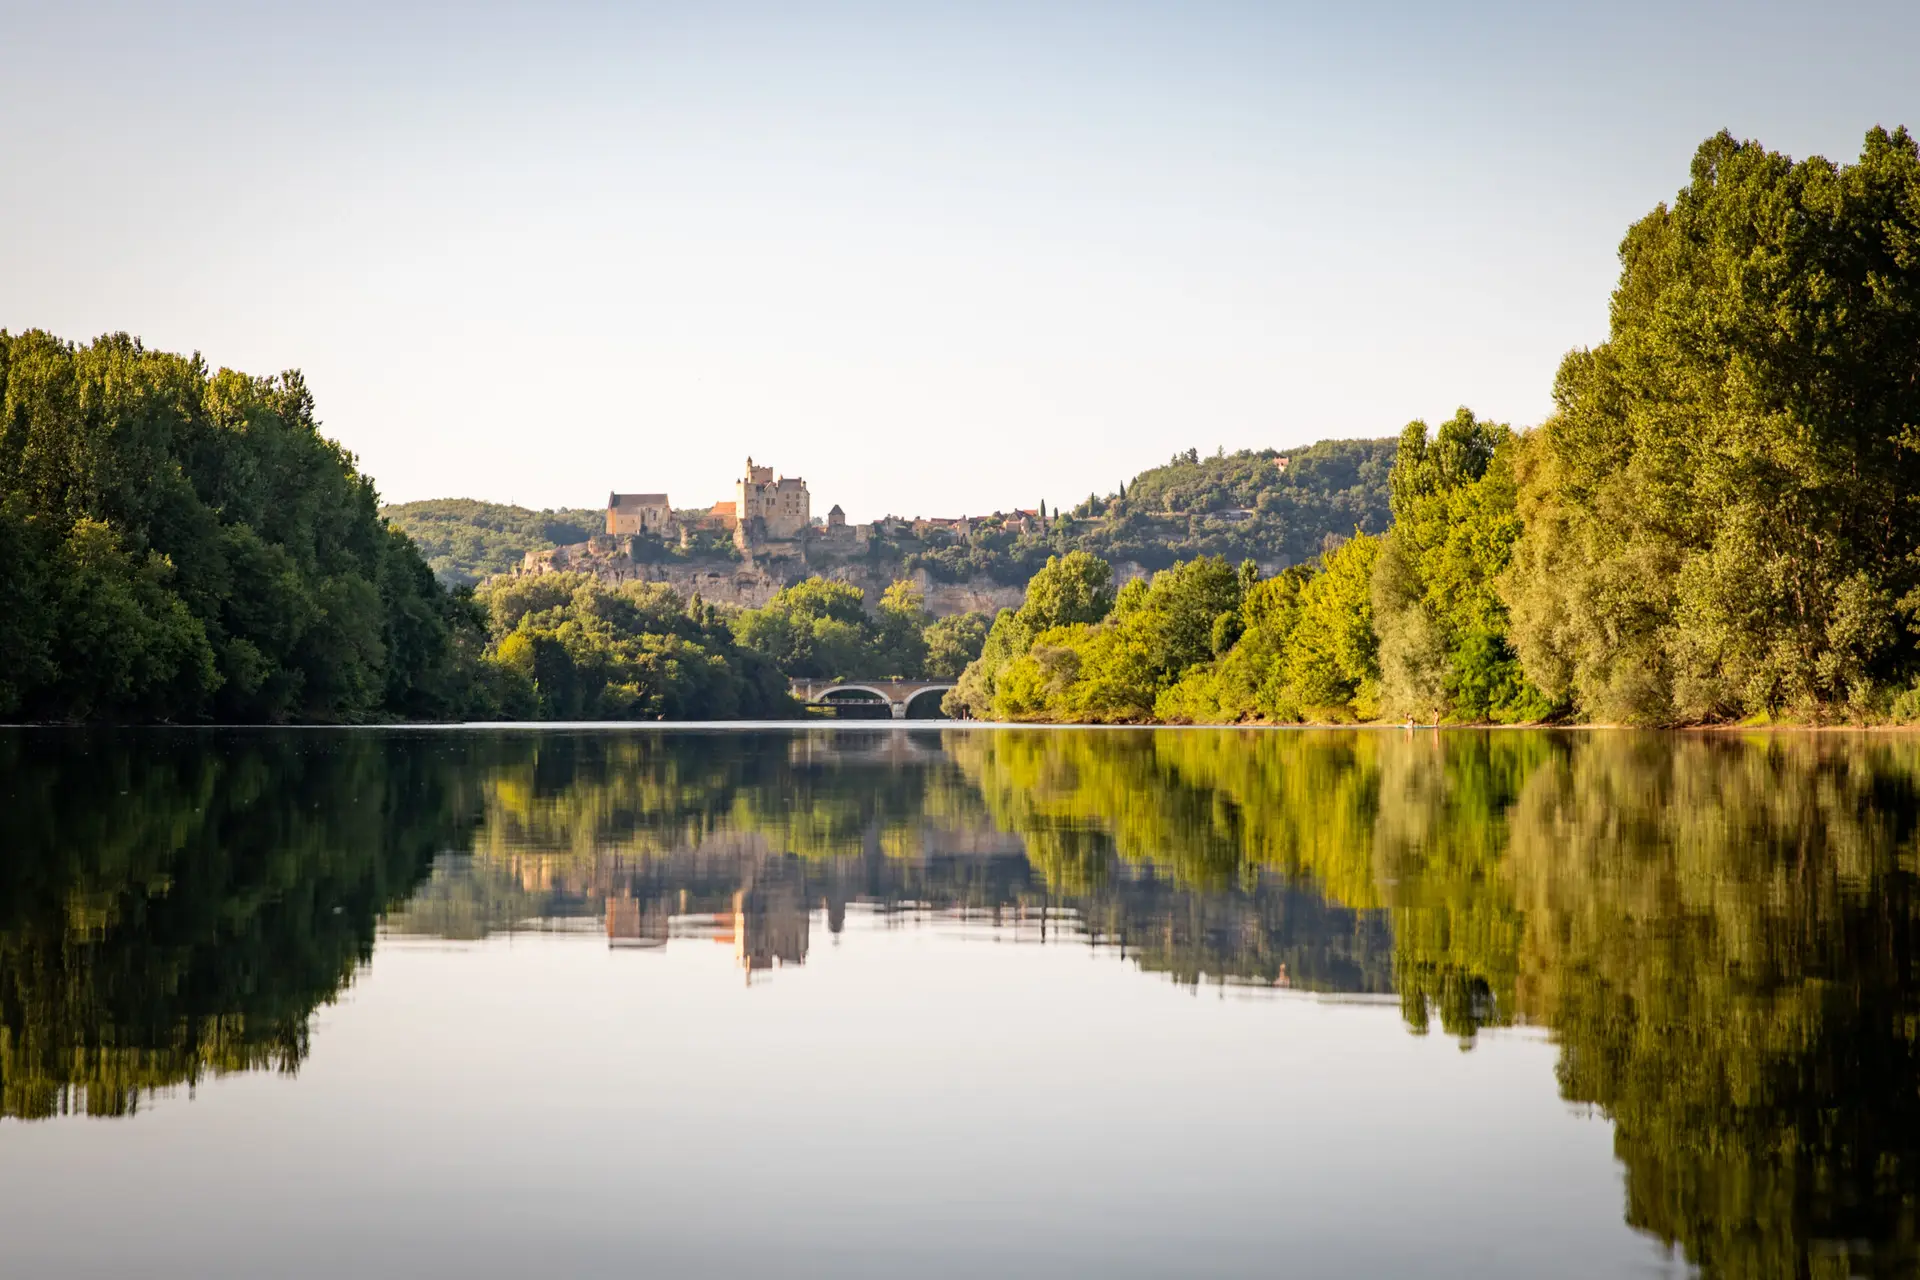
[(939, 692), (898, 696), (851, 686)]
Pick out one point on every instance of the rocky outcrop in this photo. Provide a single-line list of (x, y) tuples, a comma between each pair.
[(978, 595), (752, 582)]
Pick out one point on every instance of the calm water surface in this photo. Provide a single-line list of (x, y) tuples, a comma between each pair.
[(889, 1001)]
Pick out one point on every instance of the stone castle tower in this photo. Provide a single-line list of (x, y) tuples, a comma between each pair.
[(775, 510)]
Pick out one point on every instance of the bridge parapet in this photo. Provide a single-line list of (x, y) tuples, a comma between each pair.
[(896, 694)]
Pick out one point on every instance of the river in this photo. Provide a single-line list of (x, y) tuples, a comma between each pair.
[(895, 1000)]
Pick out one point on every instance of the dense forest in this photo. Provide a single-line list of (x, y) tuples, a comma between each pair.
[(1716, 523), (181, 544)]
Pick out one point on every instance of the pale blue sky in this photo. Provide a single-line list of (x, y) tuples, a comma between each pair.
[(936, 258)]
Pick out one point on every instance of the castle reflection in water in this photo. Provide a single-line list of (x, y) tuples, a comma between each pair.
[(766, 927), (889, 823), (761, 903)]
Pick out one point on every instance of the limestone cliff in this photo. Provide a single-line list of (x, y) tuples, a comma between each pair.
[(752, 582)]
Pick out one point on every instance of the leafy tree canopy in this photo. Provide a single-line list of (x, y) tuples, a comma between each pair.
[(1717, 516), (179, 544)]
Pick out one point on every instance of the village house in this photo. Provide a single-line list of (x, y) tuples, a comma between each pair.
[(1022, 520), (959, 529)]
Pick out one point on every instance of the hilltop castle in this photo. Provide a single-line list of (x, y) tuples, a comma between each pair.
[(772, 516), (775, 510), (765, 509), (777, 540)]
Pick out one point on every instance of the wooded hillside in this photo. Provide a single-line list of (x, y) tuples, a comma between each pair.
[(465, 540), (1242, 505)]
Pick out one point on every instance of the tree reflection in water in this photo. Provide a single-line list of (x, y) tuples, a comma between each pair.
[(174, 905), (1718, 931)]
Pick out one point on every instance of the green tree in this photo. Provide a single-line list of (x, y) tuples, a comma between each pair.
[(1245, 681), (1299, 646), (953, 642), (1069, 589), (1717, 520), (1116, 668), (570, 647), (900, 640), (1331, 661), (1246, 505), (814, 628), (1075, 587), (1441, 624), (464, 541), (27, 622), (127, 644), (178, 545)]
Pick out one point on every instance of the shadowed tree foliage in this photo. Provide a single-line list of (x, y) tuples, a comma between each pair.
[(953, 642), (569, 647), (820, 628), (176, 544), (174, 907)]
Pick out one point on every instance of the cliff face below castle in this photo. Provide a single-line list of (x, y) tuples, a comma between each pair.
[(751, 583)]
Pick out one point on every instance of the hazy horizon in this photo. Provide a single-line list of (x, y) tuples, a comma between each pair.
[(934, 260)]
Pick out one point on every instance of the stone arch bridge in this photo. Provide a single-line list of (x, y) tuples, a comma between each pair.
[(896, 695)]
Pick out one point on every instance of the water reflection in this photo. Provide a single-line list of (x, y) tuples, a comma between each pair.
[(1719, 933), (741, 839), (172, 907)]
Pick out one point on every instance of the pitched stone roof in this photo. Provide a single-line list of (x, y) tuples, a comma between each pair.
[(630, 501)]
